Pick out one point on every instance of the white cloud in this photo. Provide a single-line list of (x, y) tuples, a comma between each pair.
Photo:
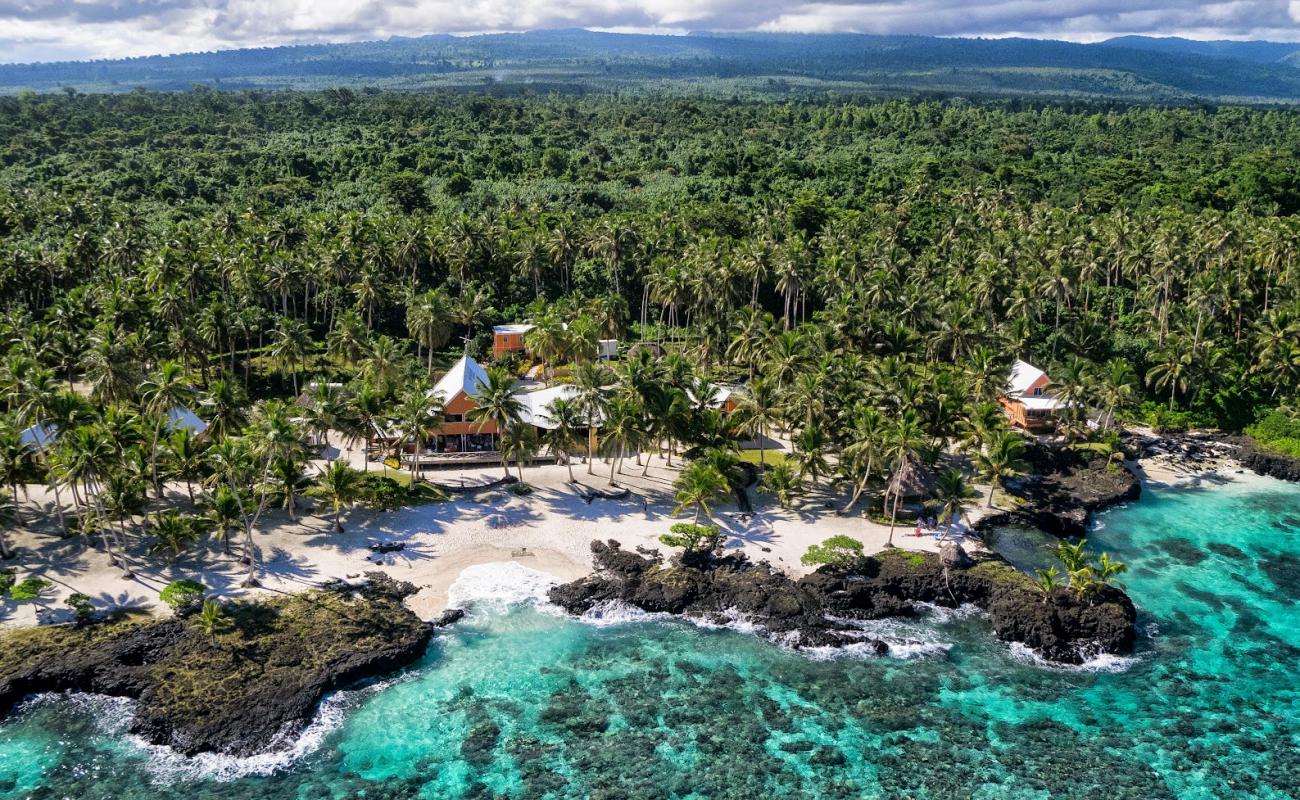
[(50, 29)]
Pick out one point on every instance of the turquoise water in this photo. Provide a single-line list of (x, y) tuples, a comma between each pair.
[(521, 702)]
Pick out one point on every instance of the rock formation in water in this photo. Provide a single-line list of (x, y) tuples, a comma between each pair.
[(242, 692), (811, 611), (1065, 487)]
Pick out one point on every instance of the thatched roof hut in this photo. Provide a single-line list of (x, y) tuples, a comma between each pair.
[(913, 480)]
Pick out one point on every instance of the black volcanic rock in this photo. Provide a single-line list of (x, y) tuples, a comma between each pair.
[(1264, 463), (811, 611), (244, 693), (1066, 486)]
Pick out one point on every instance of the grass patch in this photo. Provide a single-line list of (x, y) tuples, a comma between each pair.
[(770, 457)]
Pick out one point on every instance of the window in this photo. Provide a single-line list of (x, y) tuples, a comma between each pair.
[(1038, 391), (455, 417)]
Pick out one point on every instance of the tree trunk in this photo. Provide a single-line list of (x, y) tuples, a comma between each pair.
[(893, 519)]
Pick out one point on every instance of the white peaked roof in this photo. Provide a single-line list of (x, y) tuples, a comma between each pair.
[(534, 411), (38, 437), (512, 328), (464, 376), (1023, 375), (181, 418)]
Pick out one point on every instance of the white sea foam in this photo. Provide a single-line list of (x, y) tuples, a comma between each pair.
[(609, 613), (499, 584), (1093, 662), (165, 765)]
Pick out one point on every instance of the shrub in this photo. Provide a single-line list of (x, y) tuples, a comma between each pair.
[(692, 538), (82, 607), (521, 489), (29, 589), (183, 596), (837, 551), (1277, 432), (6, 581)]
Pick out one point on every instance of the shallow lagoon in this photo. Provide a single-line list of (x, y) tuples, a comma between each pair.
[(519, 701)]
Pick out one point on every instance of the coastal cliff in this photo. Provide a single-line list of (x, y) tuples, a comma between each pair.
[(240, 691), (812, 611)]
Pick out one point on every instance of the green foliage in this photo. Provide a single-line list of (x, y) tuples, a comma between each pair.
[(83, 609), (183, 596), (1277, 432), (7, 579), (212, 619), (692, 538), (1047, 581), (838, 551), (29, 588), (1086, 577)]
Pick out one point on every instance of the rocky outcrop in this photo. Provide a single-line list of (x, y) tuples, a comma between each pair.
[(812, 611), (1263, 462), (1065, 488), (247, 689)]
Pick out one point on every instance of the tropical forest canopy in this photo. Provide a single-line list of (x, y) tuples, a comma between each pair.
[(900, 251)]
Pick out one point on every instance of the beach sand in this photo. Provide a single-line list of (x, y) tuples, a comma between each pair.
[(554, 523)]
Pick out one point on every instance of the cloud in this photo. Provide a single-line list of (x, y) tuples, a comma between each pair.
[(51, 29)]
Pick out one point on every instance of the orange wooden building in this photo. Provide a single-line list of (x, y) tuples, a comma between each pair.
[(509, 339), (1029, 401)]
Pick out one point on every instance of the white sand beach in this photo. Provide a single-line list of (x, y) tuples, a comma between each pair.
[(549, 530)]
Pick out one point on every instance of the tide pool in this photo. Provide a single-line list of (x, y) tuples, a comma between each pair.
[(519, 701)]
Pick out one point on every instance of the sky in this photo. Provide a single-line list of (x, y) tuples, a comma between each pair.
[(47, 30)]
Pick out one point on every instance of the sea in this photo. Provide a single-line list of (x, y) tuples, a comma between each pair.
[(521, 701)]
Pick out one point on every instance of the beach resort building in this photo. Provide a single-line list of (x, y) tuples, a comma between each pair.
[(1029, 401), (456, 390), (509, 339)]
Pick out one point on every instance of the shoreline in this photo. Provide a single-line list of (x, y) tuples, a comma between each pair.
[(554, 523)]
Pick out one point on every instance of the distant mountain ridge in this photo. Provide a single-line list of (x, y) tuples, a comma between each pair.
[(1258, 51), (1130, 69)]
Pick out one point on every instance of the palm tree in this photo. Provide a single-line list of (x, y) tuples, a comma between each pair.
[(366, 406), (592, 398), (1172, 369), (467, 309), (340, 486), (1001, 459), (520, 443), (287, 480), (781, 482), (954, 493), (290, 345), (809, 456), (225, 408), (428, 319), (699, 485), (758, 407), (497, 404), (418, 412), (223, 514), (902, 443), (185, 458), (13, 463), (164, 390), (567, 425), (174, 533), (621, 431), (866, 443), (1117, 387)]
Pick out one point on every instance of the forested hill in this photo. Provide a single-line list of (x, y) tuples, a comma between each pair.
[(755, 64), (1262, 52)]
